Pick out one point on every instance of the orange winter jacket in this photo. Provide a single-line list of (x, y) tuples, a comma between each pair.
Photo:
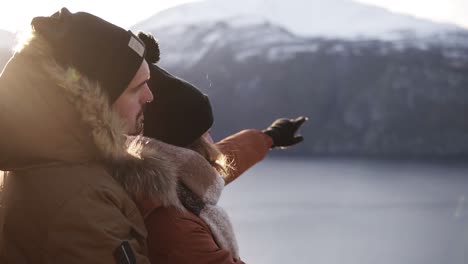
[(176, 237)]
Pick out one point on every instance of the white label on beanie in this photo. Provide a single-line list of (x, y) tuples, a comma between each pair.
[(136, 46)]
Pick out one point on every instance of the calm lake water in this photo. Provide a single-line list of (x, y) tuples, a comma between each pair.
[(351, 212)]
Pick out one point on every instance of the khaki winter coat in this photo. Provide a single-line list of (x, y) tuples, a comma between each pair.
[(61, 203)]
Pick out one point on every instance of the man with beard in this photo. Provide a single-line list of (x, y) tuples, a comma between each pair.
[(67, 100)]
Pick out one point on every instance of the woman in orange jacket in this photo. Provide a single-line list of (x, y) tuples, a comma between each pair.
[(181, 115)]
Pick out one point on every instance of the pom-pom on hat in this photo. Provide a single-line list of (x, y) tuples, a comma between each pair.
[(180, 113)]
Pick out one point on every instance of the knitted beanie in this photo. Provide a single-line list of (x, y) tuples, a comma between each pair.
[(99, 50), (180, 113)]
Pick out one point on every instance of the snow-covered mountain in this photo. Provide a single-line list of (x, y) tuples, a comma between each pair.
[(402, 98), (186, 45), (330, 18)]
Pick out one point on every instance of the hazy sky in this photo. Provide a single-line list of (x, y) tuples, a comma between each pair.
[(453, 11), (18, 13)]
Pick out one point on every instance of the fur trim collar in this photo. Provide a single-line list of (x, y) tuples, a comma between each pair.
[(197, 186)]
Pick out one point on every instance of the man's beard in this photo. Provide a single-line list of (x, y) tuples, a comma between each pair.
[(140, 122)]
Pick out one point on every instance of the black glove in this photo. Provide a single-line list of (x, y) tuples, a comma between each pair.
[(283, 131)]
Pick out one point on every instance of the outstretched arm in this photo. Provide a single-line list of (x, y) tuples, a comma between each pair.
[(247, 147), (244, 149)]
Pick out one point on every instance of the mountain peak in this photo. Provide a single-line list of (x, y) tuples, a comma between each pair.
[(331, 18)]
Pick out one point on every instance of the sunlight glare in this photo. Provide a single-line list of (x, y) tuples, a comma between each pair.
[(17, 15)]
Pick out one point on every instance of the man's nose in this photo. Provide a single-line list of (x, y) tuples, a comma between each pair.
[(147, 95)]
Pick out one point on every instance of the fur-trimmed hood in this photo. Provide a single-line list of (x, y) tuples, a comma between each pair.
[(52, 115), (198, 186)]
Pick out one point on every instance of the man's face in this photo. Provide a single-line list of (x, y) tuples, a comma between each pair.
[(130, 105)]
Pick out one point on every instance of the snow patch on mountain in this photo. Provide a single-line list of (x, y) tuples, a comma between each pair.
[(331, 18), (190, 43)]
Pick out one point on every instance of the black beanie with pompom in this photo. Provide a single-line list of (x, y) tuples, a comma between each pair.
[(180, 113)]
